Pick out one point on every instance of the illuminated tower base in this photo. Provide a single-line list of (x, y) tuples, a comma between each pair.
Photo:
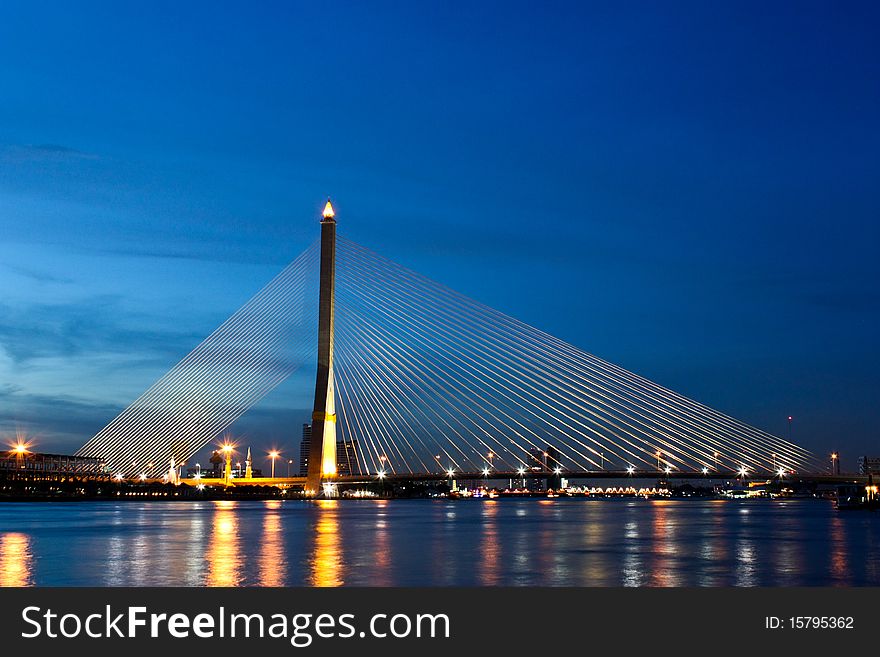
[(322, 453)]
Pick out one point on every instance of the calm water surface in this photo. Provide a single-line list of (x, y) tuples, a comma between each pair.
[(558, 542)]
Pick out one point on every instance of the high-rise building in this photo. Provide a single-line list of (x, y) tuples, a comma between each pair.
[(346, 457), (304, 448), (869, 465)]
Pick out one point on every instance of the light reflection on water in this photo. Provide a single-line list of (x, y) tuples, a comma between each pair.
[(272, 558), (224, 557), (327, 558), (428, 543), (16, 560)]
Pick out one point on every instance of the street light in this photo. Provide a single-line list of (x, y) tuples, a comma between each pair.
[(273, 455), (630, 470), (289, 463), (705, 470), (658, 455)]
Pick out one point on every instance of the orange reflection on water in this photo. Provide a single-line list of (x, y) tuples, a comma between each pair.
[(327, 559), (663, 531), (224, 558), (839, 562), (272, 560), (382, 555), (16, 560), (490, 550)]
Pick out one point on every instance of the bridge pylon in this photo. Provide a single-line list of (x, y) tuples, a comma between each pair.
[(322, 451)]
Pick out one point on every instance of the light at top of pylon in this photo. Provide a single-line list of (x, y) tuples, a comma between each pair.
[(328, 210)]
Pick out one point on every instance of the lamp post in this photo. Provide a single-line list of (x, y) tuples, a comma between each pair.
[(227, 451), (289, 463), (273, 455)]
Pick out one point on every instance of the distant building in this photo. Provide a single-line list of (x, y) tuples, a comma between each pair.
[(869, 465), (536, 459), (304, 448), (216, 461), (346, 457)]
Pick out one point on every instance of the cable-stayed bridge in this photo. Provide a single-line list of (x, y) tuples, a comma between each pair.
[(415, 380)]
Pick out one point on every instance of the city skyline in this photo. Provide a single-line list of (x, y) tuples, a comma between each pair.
[(707, 224)]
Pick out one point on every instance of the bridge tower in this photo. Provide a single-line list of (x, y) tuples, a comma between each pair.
[(322, 452)]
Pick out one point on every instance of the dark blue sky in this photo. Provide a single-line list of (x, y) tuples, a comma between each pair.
[(687, 189)]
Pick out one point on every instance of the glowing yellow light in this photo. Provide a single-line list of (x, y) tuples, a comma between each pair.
[(20, 448), (328, 210), (274, 454), (227, 448)]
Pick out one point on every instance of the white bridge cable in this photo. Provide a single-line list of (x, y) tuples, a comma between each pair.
[(398, 382), (499, 374), (385, 399), (705, 458), (201, 407), (428, 379), (446, 401), (469, 384), (678, 418), (398, 375), (384, 261), (167, 405), (406, 399), (251, 353), (507, 349), (626, 401)]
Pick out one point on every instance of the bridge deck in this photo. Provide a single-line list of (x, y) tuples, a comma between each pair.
[(515, 475)]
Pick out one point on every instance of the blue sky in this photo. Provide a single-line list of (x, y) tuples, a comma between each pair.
[(688, 190)]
